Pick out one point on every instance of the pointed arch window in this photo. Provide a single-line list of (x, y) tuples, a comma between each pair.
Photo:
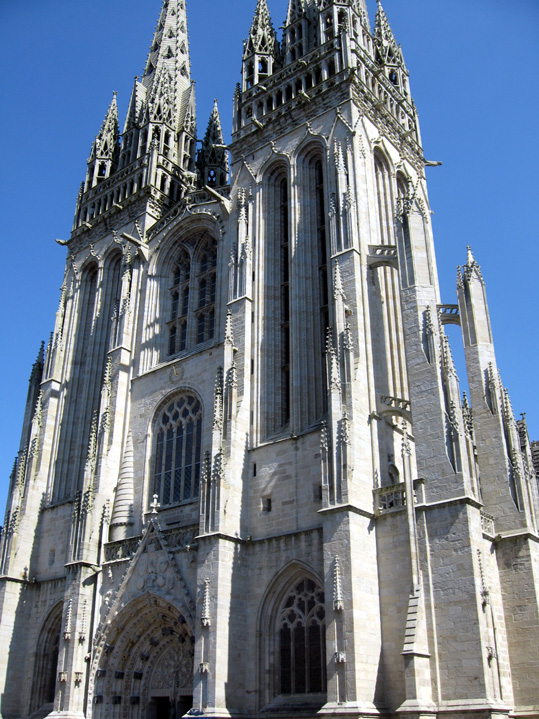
[(46, 660), (192, 297), (385, 203), (302, 640), (276, 364), (178, 443), (285, 301)]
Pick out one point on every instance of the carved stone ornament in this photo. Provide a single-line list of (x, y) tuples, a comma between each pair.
[(338, 604)]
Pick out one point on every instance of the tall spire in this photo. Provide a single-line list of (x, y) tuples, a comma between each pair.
[(167, 75), (212, 158)]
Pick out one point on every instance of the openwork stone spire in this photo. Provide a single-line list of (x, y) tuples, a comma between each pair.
[(383, 34), (167, 74), (261, 49), (296, 11), (212, 158), (388, 52), (105, 151), (262, 37)]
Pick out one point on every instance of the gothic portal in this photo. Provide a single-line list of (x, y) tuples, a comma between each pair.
[(248, 483)]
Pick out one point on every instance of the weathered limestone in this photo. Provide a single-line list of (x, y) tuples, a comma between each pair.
[(247, 483)]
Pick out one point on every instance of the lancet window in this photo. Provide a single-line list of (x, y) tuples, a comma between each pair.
[(302, 640), (312, 257), (284, 271), (385, 204), (323, 297), (276, 366), (178, 442)]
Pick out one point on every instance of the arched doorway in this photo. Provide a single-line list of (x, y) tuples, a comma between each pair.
[(145, 667), (46, 661)]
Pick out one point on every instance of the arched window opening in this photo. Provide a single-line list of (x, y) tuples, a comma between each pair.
[(250, 75), (302, 640), (178, 446), (383, 191), (166, 145), (44, 675), (328, 27), (143, 142)]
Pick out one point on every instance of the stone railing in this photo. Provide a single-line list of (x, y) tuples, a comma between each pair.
[(380, 255), (390, 497), (487, 524), (449, 314), (180, 538)]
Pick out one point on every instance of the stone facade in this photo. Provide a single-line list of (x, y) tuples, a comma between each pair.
[(248, 483)]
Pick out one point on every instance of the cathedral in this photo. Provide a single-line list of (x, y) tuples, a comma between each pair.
[(248, 483)]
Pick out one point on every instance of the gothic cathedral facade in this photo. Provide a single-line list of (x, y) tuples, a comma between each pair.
[(248, 483)]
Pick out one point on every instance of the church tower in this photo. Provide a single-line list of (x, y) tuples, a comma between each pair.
[(248, 483)]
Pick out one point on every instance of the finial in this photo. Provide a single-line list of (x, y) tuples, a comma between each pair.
[(155, 504)]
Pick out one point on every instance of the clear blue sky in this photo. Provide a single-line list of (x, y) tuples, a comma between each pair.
[(473, 74)]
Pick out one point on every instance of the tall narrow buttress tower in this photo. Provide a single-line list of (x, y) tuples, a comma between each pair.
[(248, 483)]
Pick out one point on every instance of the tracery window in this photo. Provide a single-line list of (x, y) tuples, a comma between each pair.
[(192, 297), (302, 640), (207, 285), (178, 442), (177, 326)]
